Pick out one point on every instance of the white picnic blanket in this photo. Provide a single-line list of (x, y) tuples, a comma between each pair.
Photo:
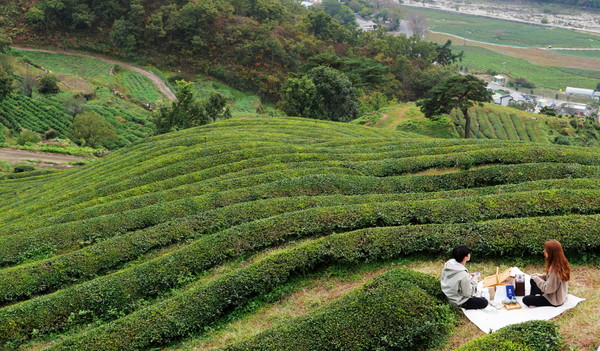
[(491, 319)]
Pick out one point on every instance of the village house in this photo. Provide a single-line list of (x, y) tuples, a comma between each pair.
[(500, 80), (515, 97), (594, 94)]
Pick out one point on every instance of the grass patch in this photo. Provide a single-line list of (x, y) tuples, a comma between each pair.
[(594, 54)]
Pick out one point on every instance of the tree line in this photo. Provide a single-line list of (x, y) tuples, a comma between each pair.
[(253, 45)]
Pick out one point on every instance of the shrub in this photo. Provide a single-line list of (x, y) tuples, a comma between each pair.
[(5, 166), (529, 336), (49, 84), (23, 168), (28, 137), (50, 134), (2, 134), (392, 312)]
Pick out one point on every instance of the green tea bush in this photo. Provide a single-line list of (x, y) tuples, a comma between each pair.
[(528, 336), (202, 304), (248, 219), (122, 258), (190, 310), (392, 312)]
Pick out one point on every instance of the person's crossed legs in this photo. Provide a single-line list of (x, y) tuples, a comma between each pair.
[(536, 298), (475, 303)]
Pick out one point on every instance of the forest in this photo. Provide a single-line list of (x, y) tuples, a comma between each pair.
[(252, 45)]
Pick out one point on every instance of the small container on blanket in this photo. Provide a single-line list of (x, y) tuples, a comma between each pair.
[(510, 291), (520, 285)]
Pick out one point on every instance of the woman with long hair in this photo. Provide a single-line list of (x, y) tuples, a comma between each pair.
[(550, 289)]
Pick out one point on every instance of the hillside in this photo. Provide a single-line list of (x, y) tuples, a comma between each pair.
[(183, 233), (490, 121), (86, 85)]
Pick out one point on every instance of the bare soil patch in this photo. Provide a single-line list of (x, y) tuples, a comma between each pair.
[(39, 158)]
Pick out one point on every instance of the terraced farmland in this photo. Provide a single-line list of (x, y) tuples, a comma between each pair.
[(167, 238), (41, 114)]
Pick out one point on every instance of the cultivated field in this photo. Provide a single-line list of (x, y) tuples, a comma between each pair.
[(490, 121), (508, 33), (168, 241), (479, 59)]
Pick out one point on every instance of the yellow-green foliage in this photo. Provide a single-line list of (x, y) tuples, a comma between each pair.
[(528, 336), (124, 239)]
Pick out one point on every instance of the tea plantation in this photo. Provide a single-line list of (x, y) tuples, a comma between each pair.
[(114, 255)]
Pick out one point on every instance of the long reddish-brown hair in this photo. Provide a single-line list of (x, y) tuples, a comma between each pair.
[(556, 260)]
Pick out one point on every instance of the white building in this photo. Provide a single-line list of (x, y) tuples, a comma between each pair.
[(594, 94)]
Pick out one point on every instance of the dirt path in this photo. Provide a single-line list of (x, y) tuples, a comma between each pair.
[(156, 80), (14, 156)]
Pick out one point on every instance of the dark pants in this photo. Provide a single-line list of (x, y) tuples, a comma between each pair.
[(475, 303), (536, 298)]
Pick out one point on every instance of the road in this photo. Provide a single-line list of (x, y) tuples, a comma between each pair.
[(156, 80), (15, 156)]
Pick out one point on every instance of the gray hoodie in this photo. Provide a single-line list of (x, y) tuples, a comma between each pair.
[(457, 283)]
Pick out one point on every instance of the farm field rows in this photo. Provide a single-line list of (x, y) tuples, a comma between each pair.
[(508, 33), (595, 54), (185, 232), (490, 121), (482, 60)]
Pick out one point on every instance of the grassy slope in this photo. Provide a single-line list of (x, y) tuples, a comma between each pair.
[(173, 193)]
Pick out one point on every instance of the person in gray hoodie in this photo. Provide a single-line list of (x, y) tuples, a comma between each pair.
[(457, 284)]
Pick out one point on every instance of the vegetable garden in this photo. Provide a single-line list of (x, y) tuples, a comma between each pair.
[(135, 251)]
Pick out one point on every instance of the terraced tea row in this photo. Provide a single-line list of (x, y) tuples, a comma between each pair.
[(203, 303), (122, 243)]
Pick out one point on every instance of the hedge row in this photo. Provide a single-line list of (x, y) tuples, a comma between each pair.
[(86, 263), (378, 168), (371, 210), (395, 311), (381, 166), (14, 248), (528, 336), (121, 290), (169, 173), (120, 219), (202, 304)]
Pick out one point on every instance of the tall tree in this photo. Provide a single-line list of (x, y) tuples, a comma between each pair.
[(93, 130), (188, 111), (323, 93), (418, 24), (457, 92), (5, 41), (6, 83)]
